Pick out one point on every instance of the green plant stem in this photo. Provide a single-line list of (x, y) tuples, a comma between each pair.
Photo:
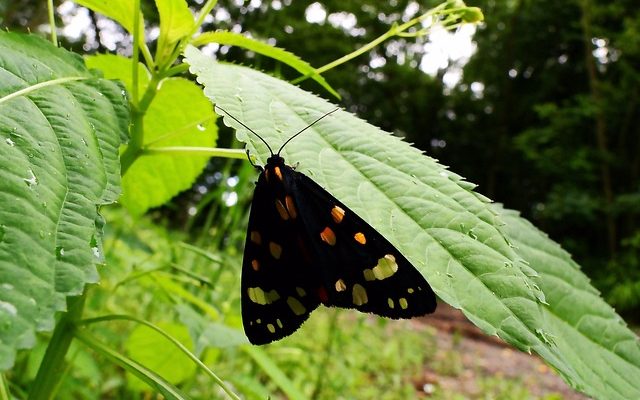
[(52, 23), (190, 151), (136, 52), (136, 139), (176, 343), (136, 132), (4, 389), (52, 366), (393, 31), (204, 11), (175, 70)]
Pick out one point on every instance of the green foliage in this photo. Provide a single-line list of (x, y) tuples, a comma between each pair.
[(60, 128), (178, 115), (584, 329), (285, 57), (143, 344), (467, 258), (506, 276), (121, 11)]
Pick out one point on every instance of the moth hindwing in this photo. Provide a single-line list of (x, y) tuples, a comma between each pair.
[(305, 248)]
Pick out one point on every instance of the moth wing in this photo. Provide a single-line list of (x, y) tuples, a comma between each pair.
[(360, 268), (277, 295)]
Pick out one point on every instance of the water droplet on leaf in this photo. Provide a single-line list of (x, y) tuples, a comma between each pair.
[(31, 179), (59, 252)]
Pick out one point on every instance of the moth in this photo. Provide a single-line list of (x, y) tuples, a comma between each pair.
[(304, 248)]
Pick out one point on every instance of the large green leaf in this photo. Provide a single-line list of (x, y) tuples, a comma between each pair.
[(179, 115), (285, 57), (587, 333), (434, 218), (60, 130)]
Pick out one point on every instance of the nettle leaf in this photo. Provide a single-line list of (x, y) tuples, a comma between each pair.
[(284, 56), (179, 115), (60, 129), (596, 351), (452, 234)]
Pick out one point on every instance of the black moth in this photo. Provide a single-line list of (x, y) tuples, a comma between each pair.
[(305, 248)]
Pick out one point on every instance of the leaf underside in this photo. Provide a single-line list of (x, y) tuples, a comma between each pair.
[(58, 163), (450, 233)]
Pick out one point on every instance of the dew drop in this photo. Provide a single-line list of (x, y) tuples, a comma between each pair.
[(41, 234), (8, 308), (10, 142), (59, 252), (472, 235), (30, 180), (201, 127)]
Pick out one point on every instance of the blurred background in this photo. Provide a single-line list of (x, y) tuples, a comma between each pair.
[(539, 106)]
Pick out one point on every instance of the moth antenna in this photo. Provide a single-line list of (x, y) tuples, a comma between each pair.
[(305, 128), (246, 127)]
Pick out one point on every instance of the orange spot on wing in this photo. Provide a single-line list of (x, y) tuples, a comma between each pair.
[(360, 238), (337, 214), (282, 210), (255, 265), (278, 172), (291, 208), (328, 236)]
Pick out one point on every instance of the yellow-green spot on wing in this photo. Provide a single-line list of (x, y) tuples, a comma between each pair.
[(296, 306), (403, 303), (259, 296), (359, 295), (386, 267)]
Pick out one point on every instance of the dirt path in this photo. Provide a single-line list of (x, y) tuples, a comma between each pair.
[(472, 364)]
